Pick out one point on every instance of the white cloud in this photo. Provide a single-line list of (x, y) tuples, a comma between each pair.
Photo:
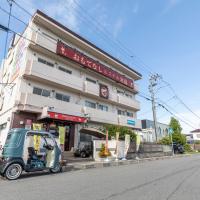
[(64, 11), (117, 27)]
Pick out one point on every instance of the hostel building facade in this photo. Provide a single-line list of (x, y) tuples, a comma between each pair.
[(57, 78)]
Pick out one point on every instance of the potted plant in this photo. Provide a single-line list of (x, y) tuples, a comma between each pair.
[(104, 152)]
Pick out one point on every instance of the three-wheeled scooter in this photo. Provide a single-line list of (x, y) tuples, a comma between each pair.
[(19, 153)]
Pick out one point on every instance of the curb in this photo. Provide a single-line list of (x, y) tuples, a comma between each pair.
[(91, 165)]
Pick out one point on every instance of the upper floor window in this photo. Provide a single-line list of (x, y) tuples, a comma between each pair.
[(103, 107), (64, 70), (90, 104), (41, 60), (121, 112), (125, 113), (91, 80), (120, 92), (49, 36), (62, 97), (129, 114), (128, 95), (42, 92)]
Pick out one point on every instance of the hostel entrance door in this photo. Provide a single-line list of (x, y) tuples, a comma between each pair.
[(69, 137)]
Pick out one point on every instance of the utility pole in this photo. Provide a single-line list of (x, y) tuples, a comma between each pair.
[(153, 81), (10, 2)]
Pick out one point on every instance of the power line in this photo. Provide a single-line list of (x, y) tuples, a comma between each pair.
[(86, 19), (182, 102), (172, 109), (132, 54), (164, 107), (10, 10)]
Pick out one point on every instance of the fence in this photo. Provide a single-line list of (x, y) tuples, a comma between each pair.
[(145, 149)]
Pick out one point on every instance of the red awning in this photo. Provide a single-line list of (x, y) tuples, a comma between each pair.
[(65, 117)]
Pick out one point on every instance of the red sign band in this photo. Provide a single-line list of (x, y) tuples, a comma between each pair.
[(65, 117), (68, 52)]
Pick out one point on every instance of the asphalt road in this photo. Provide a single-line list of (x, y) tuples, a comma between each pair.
[(172, 179)]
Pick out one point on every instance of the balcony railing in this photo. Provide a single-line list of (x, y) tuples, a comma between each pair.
[(46, 73), (52, 74), (36, 103)]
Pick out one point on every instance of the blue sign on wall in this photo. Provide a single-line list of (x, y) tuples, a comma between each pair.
[(131, 122)]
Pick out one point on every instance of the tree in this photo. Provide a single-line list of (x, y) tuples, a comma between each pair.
[(112, 129), (177, 137), (175, 125)]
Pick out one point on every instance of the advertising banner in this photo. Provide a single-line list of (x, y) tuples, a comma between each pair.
[(37, 138), (37, 127), (138, 140), (37, 141), (61, 135), (117, 144), (127, 144)]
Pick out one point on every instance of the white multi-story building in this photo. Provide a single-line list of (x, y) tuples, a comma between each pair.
[(57, 78)]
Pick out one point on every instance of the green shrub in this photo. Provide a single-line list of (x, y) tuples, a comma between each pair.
[(187, 148), (165, 140)]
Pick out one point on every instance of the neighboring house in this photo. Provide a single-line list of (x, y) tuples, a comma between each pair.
[(193, 136), (149, 133), (59, 78)]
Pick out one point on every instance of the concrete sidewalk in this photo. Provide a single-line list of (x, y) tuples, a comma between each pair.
[(92, 164)]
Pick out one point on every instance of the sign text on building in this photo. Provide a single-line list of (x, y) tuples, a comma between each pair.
[(73, 54)]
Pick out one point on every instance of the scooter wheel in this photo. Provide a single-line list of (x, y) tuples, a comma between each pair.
[(56, 169), (13, 171)]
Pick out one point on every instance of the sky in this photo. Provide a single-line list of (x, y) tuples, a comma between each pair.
[(157, 36)]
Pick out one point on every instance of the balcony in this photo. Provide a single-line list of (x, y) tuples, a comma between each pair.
[(40, 71), (36, 103), (51, 44), (91, 88), (136, 88), (134, 104), (44, 41), (96, 115)]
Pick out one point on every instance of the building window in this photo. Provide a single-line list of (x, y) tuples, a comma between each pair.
[(121, 112), (49, 36), (125, 113), (120, 92), (42, 92), (103, 107), (62, 97), (64, 70), (129, 114), (41, 60), (90, 104), (128, 95), (90, 80)]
